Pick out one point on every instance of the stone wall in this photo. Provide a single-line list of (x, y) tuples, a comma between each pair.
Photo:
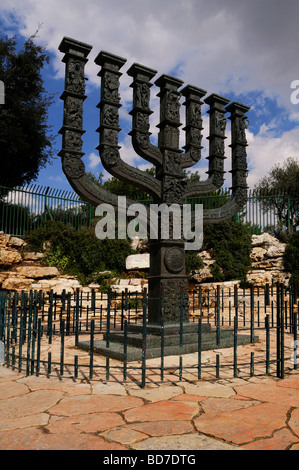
[(266, 254), (267, 262), (22, 270)]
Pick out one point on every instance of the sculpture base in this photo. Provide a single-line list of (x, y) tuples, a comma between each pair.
[(172, 341)]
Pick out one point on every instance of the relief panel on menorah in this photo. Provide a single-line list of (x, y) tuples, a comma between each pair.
[(193, 115), (109, 136), (194, 137), (217, 147), (75, 82), (73, 112), (170, 107), (169, 138), (140, 122), (110, 87), (218, 123), (73, 166), (173, 190), (109, 116), (239, 178), (239, 160), (239, 130), (142, 140), (141, 96), (72, 140), (172, 163), (110, 156)]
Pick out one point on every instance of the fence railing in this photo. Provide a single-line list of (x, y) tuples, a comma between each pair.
[(26, 208), (45, 334)]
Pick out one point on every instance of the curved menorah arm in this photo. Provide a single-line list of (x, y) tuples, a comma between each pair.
[(109, 127), (216, 142), (239, 171), (141, 112)]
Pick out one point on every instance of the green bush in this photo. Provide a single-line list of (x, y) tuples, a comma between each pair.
[(291, 257), (230, 242), (79, 252), (193, 262)]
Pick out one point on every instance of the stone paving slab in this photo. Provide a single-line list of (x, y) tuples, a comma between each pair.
[(257, 413)]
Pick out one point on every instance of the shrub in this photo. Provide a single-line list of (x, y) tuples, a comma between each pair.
[(230, 242), (79, 252), (193, 262), (291, 257)]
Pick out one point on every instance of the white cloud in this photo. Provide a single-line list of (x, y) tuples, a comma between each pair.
[(93, 161), (217, 45), (265, 151), (223, 46)]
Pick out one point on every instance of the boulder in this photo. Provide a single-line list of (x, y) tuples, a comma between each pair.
[(4, 239), (37, 272), (9, 258), (276, 251), (32, 256), (258, 253), (141, 261), (201, 275), (17, 283), (259, 277), (265, 239), (16, 242)]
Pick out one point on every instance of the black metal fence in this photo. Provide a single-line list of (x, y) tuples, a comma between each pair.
[(23, 209), (43, 334)]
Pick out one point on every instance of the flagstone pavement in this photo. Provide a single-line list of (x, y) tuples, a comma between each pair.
[(256, 413)]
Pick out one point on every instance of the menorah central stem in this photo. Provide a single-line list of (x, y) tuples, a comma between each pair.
[(168, 283)]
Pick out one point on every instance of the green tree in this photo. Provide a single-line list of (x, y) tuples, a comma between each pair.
[(279, 191), (25, 143)]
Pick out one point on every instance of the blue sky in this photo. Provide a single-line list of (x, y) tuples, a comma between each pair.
[(246, 51)]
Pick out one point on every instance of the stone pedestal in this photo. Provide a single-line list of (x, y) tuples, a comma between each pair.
[(175, 341)]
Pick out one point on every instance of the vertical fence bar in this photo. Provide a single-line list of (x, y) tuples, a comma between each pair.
[(218, 317), (162, 350), (235, 346), (181, 338), (39, 333), (7, 338), (295, 340), (108, 333), (143, 367), (199, 348), (77, 314), (282, 306), (278, 333), (91, 352), (267, 327), (251, 313), (34, 335), (125, 349), (62, 331)]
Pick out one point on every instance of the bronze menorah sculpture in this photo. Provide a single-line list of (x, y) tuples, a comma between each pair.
[(167, 275)]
